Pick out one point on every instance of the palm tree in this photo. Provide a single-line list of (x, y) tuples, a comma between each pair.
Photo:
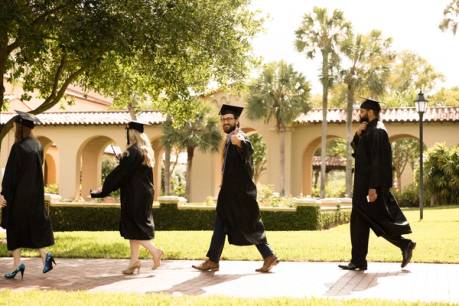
[(200, 132), (281, 93), (323, 33), (369, 58)]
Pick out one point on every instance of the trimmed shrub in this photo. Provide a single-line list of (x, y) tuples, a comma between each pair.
[(83, 217)]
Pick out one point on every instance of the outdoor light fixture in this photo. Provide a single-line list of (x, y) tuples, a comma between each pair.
[(421, 107)]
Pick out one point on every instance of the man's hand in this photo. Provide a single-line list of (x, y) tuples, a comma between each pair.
[(235, 139), (362, 127), (2, 201), (372, 195)]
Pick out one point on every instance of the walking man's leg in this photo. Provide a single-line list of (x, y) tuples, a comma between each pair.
[(360, 233), (215, 249), (406, 245), (269, 259)]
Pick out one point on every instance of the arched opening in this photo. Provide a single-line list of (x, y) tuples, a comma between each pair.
[(335, 167), (405, 159), (97, 158), (50, 162)]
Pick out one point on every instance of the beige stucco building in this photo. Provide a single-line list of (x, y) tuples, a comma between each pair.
[(75, 141)]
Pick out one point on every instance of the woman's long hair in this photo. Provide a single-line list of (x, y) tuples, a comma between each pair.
[(22, 132), (141, 141)]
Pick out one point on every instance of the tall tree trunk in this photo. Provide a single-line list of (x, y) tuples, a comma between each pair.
[(323, 147), (399, 181), (281, 130), (132, 110), (3, 59), (349, 111), (190, 153), (167, 170)]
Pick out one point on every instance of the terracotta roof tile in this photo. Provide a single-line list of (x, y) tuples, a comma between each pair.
[(434, 114), (91, 118), (330, 161), (402, 114)]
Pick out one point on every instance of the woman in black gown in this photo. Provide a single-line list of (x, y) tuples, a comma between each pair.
[(134, 177), (22, 198)]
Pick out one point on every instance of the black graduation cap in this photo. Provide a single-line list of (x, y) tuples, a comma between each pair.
[(136, 125), (26, 119), (370, 103), (231, 109)]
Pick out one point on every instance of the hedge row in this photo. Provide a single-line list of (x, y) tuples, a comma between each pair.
[(169, 217)]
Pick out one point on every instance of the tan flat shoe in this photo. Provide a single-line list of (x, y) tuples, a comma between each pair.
[(132, 268)]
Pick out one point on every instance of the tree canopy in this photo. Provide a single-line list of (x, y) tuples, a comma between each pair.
[(161, 52)]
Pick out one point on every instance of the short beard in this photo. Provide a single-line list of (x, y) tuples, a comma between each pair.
[(364, 119), (231, 129)]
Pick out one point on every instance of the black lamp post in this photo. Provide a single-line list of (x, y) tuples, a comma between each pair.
[(421, 106)]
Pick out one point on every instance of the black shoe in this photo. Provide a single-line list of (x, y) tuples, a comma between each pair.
[(49, 260), (353, 267), (408, 253)]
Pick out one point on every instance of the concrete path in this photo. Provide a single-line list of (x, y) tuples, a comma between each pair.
[(426, 282)]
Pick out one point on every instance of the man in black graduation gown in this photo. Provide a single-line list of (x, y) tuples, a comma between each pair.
[(238, 214), (373, 205)]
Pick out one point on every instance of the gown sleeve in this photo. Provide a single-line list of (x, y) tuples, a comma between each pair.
[(354, 143), (11, 176), (245, 154), (120, 174), (378, 151)]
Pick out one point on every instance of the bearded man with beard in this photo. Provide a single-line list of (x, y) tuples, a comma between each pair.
[(238, 213), (373, 205)]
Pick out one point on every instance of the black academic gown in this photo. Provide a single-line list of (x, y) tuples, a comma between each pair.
[(25, 218), (135, 180), (373, 170), (237, 204)]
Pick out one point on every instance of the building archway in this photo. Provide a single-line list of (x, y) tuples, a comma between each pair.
[(90, 154), (311, 177), (50, 160)]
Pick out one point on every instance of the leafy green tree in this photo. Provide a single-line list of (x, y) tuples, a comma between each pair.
[(369, 58), (159, 52), (279, 93), (408, 74), (445, 97), (202, 131), (259, 155), (450, 17), (404, 152), (322, 33)]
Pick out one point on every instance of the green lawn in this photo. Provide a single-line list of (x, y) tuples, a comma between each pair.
[(35, 297), (437, 237)]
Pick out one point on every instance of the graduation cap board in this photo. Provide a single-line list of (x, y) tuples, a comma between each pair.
[(370, 103), (136, 125), (26, 119), (231, 109)]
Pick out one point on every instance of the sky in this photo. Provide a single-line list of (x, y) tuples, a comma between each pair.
[(413, 25)]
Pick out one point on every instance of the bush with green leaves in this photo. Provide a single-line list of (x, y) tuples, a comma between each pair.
[(441, 174), (52, 188), (409, 196)]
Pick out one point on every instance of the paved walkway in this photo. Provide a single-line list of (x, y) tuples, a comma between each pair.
[(426, 282)]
